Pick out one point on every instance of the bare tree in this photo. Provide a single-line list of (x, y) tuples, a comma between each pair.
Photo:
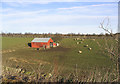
[(112, 49)]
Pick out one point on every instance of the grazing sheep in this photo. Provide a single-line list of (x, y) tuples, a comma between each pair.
[(86, 46), (93, 39), (57, 44), (90, 48), (77, 42), (78, 38), (82, 39), (80, 51)]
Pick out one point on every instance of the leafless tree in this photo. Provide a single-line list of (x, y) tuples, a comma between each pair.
[(112, 49)]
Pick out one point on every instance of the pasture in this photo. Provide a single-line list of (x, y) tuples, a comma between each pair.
[(64, 59)]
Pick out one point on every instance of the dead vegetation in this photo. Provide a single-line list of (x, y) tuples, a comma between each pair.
[(111, 49), (20, 60), (8, 51), (20, 75)]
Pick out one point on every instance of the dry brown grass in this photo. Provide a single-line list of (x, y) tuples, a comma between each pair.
[(8, 51), (94, 75), (25, 61)]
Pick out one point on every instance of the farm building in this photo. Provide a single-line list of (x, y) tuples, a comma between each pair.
[(42, 42)]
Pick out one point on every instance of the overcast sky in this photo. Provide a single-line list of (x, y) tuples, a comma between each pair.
[(61, 17)]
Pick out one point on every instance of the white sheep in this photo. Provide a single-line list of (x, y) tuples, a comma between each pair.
[(86, 46), (90, 48), (80, 51), (82, 39), (57, 44), (78, 38), (77, 42)]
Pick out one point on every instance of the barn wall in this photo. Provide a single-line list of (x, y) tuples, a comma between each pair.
[(40, 44), (37, 44)]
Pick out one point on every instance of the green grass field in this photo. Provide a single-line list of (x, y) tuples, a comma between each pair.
[(63, 58)]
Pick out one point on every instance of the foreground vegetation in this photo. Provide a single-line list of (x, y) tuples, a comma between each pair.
[(60, 64)]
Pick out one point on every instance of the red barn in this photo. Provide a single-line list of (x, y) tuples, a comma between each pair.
[(42, 42)]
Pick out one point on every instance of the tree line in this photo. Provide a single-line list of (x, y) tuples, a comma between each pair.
[(56, 34)]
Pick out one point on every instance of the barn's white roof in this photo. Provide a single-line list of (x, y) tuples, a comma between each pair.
[(40, 40)]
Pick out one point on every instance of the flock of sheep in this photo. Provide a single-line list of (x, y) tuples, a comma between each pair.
[(81, 41)]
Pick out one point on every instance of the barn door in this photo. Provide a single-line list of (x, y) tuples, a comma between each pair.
[(51, 44)]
